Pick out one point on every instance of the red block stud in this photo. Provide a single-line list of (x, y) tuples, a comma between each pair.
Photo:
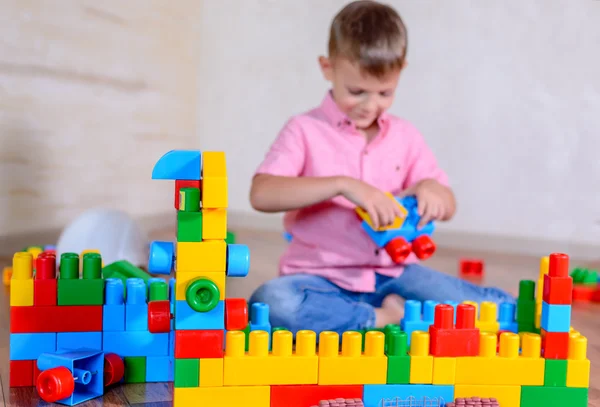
[(236, 314), (21, 373), (185, 184), (45, 266), (423, 247), (114, 369), (55, 384), (558, 265), (444, 316), (159, 316), (558, 290), (555, 345), (194, 344), (398, 249), (465, 316), (471, 268)]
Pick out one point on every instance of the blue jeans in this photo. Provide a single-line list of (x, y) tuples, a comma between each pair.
[(303, 301)]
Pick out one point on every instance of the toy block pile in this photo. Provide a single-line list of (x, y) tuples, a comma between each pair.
[(586, 287)]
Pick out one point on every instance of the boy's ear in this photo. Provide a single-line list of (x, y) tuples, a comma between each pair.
[(326, 67)]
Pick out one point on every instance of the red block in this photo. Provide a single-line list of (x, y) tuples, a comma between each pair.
[(584, 293), (558, 265), (555, 345), (185, 184), (194, 344), (558, 290), (236, 314), (44, 292), (45, 266), (449, 341), (21, 373), (311, 395), (471, 267), (36, 372), (64, 318), (159, 316)]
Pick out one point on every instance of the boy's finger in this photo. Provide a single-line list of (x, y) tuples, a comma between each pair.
[(373, 215)]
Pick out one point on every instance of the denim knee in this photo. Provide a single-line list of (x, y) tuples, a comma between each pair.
[(284, 301)]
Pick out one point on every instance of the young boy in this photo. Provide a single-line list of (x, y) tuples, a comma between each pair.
[(346, 153)]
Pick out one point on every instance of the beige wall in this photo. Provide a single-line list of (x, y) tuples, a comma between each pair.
[(91, 95)]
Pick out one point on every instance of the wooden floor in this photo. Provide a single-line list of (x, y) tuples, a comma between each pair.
[(265, 247)]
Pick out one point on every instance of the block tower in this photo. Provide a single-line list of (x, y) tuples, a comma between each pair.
[(201, 260)]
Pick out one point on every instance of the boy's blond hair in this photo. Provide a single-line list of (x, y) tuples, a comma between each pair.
[(370, 34)]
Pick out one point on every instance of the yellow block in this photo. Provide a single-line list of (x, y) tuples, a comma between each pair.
[(6, 276), (183, 279), (444, 370), (351, 366), (208, 256), (507, 396), (214, 224), (214, 180), (21, 286), (578, 365), (509, 368), (211, 372), (35, 251), (398, 222), (421, 363), (247, 396), (538, 312), (488, 318), (281, 366)]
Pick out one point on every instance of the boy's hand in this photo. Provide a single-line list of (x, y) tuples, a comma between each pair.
[(381, 208), (435, 201)]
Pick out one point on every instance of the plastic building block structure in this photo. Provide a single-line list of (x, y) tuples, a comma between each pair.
[(585, 285), (402, 237), (471, 268), (216, 352)]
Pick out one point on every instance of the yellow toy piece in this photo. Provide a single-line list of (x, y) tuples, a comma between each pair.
[(208, 256), (214, 224), (509, 368), (281, 366), (352, 366), (398, 222), (421, 362), (21, 287), (578, 365), (444, 370), (6, 276), (211, 372), (214, 180), (246, 396)]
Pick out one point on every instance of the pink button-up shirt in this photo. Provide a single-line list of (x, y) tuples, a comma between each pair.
[(328, 239)]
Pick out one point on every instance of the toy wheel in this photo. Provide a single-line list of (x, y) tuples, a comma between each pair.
[(114, 369), (202, 295), (236, 314), (423, 247), (159, 316), (55, 384), (398, 249)]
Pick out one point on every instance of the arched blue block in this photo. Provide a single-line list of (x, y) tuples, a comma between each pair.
[(179, 165), (238, 260), (161, 257)]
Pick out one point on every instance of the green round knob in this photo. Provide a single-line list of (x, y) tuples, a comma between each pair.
[(202, 295)]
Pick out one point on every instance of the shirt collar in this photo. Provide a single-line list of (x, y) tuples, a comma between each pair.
[(339, 119)]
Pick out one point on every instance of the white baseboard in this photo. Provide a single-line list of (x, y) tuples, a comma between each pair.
[(463, 241)]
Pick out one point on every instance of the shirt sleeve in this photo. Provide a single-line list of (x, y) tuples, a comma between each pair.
[(286, 156), (422, 163)]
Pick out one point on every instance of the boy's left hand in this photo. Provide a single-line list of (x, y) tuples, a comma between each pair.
[(435, 201)]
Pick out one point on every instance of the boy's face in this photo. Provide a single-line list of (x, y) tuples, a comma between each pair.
[(360, 96)]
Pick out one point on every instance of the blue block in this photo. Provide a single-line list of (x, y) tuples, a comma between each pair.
[(136, 343), (188, 319), (507, 317), (160, 260), (172, 301), (77, 340), (31, 346), (113, 318), (159, 369), (413, 320), (136, 307), (179, 165), (238, 260), (172, 343), (377, 395), (259, 319), (555, 318), (85, 364)]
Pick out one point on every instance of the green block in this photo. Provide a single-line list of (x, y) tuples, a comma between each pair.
[(555, 373), (189, 199), (398, 370), (535, 396), (81, 292), (189, 226), (187, 373), (123, 270), (247, 337), (527, 327), (135, 369), (230, 239)]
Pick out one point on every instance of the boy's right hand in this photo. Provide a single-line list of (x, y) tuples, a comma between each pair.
[(381, 208)]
